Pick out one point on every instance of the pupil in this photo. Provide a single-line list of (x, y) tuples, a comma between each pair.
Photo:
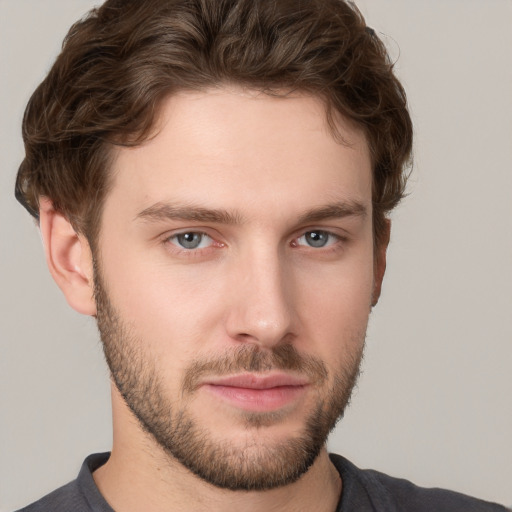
[(189, 240), (316, 238)]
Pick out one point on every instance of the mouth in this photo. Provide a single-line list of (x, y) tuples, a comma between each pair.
[(257, 392)]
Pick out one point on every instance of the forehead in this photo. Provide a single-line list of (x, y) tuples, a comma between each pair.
[(243, 149)]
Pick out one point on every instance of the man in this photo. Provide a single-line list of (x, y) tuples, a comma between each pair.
[(212, 181)]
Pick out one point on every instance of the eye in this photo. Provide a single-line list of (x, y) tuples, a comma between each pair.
[(191, 240), (317, 239)]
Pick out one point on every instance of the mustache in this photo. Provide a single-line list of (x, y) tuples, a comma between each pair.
[(251, 358)]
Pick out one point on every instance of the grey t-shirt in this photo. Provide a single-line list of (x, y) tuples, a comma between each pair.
[(363, 491)]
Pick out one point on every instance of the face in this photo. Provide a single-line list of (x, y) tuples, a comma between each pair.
[(234, 279)]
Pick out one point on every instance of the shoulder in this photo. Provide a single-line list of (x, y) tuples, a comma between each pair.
[(63, 499), (80, 495), (401, 495), (412, 497)]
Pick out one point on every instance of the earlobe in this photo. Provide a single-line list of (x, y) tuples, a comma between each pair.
[(380, 262), (69, 258)]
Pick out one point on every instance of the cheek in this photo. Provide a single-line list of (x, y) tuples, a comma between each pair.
[(335, 308), (172, 310), (178, 311)]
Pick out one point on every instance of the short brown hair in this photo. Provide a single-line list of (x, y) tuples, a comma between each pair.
[(120, 61)]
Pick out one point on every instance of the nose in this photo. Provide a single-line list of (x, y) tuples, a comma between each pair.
[(262, 307)]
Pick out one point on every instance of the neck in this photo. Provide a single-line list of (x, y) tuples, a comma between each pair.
[(130, 485), (140, 476)]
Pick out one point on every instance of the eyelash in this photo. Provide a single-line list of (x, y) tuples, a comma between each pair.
[(333, 243), (192, 252), (320, 232)]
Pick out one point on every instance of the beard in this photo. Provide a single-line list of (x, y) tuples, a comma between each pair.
[(262, 463)]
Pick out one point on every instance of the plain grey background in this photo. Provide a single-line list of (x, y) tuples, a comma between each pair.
[(434, 402)]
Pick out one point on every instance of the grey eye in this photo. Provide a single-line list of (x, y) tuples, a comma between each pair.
[(190, 240), (317, 238)]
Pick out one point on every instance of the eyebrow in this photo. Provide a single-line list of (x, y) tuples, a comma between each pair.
[(335, 211), (166, 211)]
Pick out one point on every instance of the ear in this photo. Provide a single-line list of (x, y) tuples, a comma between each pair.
[(69, 258), (379, 262)]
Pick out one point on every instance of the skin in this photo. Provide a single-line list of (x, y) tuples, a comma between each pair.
[(254, 281)]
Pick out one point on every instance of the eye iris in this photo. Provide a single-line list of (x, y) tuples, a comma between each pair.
[(317, 238), (189, 240)]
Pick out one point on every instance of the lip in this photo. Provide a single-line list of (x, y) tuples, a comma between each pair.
[(257, 392)]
